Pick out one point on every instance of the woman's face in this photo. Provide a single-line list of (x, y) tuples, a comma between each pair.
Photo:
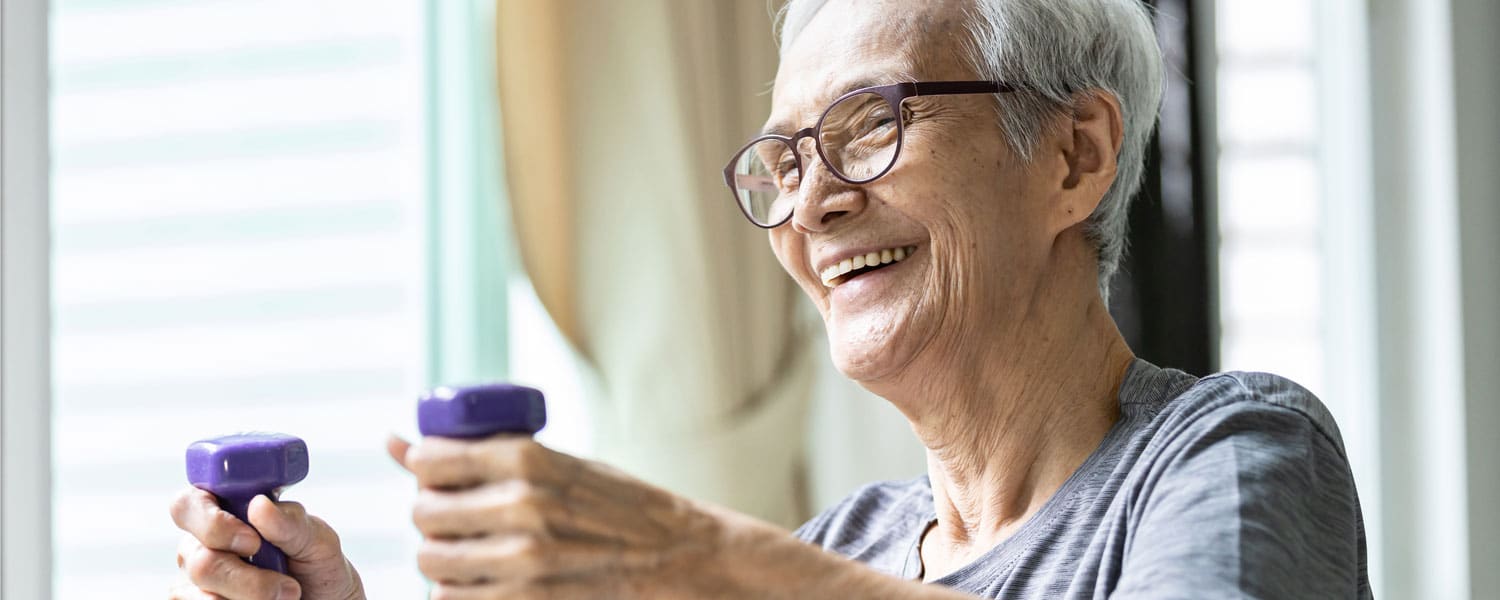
[(970, 208)]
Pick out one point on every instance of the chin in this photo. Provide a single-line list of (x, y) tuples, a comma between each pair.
[(867, 352)]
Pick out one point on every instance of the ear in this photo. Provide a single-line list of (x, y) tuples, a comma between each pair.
[(1090, 149)]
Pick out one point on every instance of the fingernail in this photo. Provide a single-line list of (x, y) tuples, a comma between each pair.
[(243, 544), (288, 591)]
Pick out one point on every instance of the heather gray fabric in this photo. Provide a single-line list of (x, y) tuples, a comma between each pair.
[(1234, 485)]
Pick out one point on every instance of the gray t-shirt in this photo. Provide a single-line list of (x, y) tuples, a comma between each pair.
[(1234, 485)]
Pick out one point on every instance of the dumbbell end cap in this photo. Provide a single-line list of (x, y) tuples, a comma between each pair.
[(245, 464), (481, 411)]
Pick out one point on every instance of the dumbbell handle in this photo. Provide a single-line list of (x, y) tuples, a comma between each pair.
[(269, 556)]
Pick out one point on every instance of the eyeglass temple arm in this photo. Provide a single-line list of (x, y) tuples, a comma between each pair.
[(934, 88)]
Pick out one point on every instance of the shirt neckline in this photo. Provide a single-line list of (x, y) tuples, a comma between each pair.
[(1138, 374)]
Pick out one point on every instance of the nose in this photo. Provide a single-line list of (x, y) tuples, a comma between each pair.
[(824, 199)]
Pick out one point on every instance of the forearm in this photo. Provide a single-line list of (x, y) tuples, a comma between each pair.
[(765, 562)]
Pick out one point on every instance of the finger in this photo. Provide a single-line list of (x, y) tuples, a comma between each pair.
[(184, 590), (525, 558), (563, 590), (509, 506), (481, 591), (397, 448), (228, 575), (303, 537), (197, 512), (186, 547), (508, 558), (446, 463)]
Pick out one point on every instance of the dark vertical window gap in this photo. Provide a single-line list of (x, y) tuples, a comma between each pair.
[(1165, 296)]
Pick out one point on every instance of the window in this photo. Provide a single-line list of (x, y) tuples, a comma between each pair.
[(1269, 221), (272, 215)]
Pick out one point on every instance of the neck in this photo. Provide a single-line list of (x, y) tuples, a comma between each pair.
[(1018, 416)]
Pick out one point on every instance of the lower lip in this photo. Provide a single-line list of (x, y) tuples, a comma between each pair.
[(867, 286)]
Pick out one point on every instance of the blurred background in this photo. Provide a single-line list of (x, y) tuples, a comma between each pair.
[(295, 215)]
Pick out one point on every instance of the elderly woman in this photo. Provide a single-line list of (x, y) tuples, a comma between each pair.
[(948, 183)]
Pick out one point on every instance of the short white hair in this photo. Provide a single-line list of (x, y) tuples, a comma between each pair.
[(1054, 49)]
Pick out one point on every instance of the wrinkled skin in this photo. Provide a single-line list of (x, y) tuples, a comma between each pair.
[(985, 324), (209, 553), (507, 517)]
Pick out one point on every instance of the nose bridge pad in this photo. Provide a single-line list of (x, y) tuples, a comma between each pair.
[(807, 149)]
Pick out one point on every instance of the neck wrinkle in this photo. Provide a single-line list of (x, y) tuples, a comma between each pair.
[(1017, 419)]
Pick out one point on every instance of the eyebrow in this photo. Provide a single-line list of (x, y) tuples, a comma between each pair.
[(784, 127)]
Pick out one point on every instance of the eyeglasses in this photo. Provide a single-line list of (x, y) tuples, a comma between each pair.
[(858, 138)]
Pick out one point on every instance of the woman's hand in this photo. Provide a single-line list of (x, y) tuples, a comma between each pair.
[(506, 517), (209, 554)]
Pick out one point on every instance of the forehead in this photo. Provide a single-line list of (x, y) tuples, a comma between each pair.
[(850, 43)]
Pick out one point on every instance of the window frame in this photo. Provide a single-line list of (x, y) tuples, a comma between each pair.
[(25, 323)]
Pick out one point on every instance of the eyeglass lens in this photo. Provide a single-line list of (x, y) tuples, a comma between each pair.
[(859, 136)]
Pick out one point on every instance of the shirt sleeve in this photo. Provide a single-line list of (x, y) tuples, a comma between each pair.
[(1247, 500)]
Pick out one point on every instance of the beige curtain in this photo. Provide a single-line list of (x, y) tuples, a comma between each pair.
[(618, 117)]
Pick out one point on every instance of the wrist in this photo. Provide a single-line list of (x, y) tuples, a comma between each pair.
[(759, 560)]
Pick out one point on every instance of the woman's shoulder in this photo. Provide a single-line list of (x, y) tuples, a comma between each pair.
[(1248, 470), (1233, 401)]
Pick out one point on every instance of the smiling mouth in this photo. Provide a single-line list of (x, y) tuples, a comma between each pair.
[(855, 266)]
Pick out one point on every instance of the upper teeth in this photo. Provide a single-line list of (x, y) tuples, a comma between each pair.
[(889, 255)]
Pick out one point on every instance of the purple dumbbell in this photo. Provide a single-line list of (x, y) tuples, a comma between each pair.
[(481, 411), (239, 467)]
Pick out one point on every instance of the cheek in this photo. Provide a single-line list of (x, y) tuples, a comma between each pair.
[(790, 252), (781, 247)]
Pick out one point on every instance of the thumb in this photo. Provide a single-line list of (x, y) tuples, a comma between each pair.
[(397, 448), (303, 537)]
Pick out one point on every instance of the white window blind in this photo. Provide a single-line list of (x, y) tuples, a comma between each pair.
[(1270, 203), (239, 197)]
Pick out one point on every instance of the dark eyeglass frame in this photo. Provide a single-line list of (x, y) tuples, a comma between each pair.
[(895, 94)]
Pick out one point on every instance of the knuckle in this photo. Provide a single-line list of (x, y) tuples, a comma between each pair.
[(523, 508), (425, 513), (527, 556), (325, 534), (182, 504), (498, 455), (220, 531), (222, 523), (204, 566), (186, 545), (480, 458), (448, 592), (431, 560), (294, 510), (531, 458), (183, 590), (421, 460)]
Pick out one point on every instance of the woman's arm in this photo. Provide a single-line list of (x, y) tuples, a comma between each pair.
[(771, 563), (1256, 501), (507, 517)]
